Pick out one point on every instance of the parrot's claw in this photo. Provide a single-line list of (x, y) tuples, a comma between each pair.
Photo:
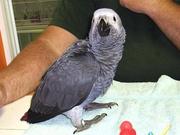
[(109, 105), (79, 129), (88, 123), (94, 105)]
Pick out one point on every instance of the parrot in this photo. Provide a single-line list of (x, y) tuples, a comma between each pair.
[(83, 73)]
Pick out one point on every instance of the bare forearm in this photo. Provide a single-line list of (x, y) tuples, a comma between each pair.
[(22, 76), (165, 13), (167, 17), (24, 73)]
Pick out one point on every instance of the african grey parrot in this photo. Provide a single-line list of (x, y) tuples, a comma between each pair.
[(82, 74)]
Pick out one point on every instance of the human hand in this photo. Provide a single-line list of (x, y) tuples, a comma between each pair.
[(143, 6)]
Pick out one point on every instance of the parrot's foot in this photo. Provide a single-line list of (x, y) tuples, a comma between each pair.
[(87, 123), (94, 105)]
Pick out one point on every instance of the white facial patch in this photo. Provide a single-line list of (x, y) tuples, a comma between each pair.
[(109, 16)]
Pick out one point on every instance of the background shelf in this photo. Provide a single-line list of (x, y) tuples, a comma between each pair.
[(31, 17)]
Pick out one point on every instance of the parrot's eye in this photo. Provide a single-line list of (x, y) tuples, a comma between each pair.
[(92, 20), (114, 18)]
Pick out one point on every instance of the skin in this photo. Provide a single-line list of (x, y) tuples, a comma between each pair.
[(164, 13), (22, 76)]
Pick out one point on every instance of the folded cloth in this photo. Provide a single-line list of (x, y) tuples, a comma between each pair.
[(148, 106)]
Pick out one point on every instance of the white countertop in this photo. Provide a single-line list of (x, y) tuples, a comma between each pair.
[(10, 115)]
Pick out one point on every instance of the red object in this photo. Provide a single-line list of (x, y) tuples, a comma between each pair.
[(125, 125), (127, 128), (128, 132)]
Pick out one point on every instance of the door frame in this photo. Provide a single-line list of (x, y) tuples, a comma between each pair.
[(2, 55), (8, 30)]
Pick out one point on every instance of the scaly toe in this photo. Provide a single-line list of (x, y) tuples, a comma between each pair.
[(112, 104), (79, 129), (87, 123)]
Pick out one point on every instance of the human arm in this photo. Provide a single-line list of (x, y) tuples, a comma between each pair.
[(22, 76), (165, 13), (70, 18)]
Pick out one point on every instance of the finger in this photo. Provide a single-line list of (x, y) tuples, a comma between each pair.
[(121, 2)]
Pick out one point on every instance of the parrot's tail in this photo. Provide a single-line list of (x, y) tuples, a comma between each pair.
[(33, 117)]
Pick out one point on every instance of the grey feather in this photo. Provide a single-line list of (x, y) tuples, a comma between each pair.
[(69, 81), (84, 72)]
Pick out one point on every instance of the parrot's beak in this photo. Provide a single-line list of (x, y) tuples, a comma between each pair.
[(103, 28)]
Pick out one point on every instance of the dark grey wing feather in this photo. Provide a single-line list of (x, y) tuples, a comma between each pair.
[(67, 83)]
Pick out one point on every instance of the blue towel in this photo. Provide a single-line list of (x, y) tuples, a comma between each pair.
[(149, 106)]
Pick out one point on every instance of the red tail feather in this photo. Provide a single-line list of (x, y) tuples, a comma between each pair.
[(25, 117)]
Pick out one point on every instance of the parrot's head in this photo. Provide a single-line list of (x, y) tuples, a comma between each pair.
[(106, 28)]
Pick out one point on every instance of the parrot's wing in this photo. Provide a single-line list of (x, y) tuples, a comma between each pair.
[(67, 84), (79, 47)]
